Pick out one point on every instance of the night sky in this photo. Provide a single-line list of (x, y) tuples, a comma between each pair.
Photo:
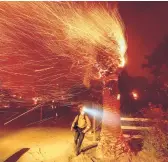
[(146, 25)]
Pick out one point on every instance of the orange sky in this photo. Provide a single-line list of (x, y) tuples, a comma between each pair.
[(146, 24)]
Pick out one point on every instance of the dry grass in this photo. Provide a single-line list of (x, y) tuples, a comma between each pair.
[(156, 144)]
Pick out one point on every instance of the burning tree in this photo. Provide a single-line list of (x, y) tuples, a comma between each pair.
[(52, 46)]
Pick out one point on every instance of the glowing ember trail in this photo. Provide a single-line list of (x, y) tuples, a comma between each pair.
[(48, 47)]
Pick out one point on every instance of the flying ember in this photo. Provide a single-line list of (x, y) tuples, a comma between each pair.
[(44, 44)]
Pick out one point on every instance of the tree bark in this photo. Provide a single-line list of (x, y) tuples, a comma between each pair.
[(111, 143)]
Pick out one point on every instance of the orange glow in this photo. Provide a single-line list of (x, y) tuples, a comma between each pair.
[(123, 48), (118, 97), (35, 100), (135, 95)]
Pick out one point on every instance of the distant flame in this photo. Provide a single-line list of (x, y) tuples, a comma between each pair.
[(118, 97), (135, 95)]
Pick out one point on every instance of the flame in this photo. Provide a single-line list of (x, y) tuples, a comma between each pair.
[(123, 49), (135, 95), (118, 97), (99, 28)]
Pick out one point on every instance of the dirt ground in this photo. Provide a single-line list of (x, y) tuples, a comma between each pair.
[(38, 144), (51, 141)]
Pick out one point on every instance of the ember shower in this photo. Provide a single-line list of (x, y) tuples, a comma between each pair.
[(48, 47)]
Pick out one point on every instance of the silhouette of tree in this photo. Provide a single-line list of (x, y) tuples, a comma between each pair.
[(127, 85), (157, 64), (158, 58)]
